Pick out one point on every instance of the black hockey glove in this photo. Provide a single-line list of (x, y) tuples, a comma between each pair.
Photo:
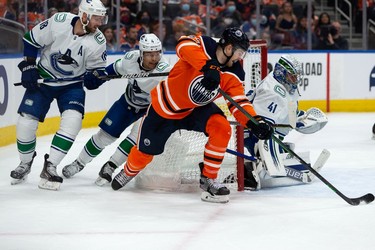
[(30, 75), (262, 130), (211, 75), (91, 79)]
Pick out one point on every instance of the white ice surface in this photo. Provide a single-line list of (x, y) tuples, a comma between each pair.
[(84, 216)]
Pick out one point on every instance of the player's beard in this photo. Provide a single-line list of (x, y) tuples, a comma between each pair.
[(90, 29)]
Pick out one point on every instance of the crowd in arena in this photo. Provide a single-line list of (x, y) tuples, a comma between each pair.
[(283, 23)]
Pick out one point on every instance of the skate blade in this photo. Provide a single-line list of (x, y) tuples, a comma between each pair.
[(49, 185), (205, 196), (17, 181), (101, 182)]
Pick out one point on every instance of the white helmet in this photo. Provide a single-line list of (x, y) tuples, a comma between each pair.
[(92, 7), (149, 43), (288, 71)]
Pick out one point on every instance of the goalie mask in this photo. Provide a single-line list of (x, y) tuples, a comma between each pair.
[(149, 43), (288, 72), (93, 9)]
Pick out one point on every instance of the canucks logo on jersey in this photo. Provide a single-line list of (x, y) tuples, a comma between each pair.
[(58, 61)]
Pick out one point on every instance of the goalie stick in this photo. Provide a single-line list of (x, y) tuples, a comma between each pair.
[(367, 198), (107, 78)]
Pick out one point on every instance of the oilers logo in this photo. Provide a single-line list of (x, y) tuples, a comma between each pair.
[(198, 94)]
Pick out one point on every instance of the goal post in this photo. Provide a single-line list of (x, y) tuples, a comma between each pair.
[(177, 168)]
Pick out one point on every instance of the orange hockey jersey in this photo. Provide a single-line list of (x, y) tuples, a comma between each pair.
[(182, 91)]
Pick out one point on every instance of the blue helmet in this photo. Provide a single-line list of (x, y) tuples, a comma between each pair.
[(288, 72)]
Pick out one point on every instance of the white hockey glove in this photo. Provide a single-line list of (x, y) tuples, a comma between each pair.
[(312, 121)]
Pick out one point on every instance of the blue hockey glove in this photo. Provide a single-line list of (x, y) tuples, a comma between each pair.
[(211, 75), (30, 75), (91, 79), (263, 130)]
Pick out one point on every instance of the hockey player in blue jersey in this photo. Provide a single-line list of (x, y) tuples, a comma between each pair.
[(126, 110), (70, 47), (275, 99)]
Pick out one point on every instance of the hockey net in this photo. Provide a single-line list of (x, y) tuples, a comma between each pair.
[(177, 168)]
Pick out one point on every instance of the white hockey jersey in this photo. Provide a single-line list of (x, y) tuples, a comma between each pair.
[(137, 93), (272, 101), (65, 55)]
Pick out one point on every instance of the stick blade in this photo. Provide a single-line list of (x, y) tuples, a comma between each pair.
[(366, 199)]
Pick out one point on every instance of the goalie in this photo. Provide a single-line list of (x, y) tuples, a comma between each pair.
[(275, 99)]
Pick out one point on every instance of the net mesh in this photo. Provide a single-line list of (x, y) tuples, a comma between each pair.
[(177, 168)]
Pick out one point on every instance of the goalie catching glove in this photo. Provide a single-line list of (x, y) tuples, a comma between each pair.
[(262, 130), (211, 75), (91, 79), (311, 121)]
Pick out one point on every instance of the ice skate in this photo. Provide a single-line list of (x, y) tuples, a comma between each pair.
[(73, 168), (105, 174), (213, 191), (20, 174), (49, 178), (120, 180)]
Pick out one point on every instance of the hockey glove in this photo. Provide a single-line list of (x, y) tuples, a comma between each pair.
[(211, 75), (30, 75), (91, 80), (262, 130)]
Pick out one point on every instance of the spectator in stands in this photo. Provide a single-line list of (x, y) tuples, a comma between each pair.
[(130, 4), (189, 19), (143, 21), (179, 30), (276, 2), (109, 37), (245, 7), (286, 23), (216, 8), (249, 27), (126, 17), (229, 17), (131, 39), (167, 39), (300, 35), (332, 39), (324, 20), (6, 10)]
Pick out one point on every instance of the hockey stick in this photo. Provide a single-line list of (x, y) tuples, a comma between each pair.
[(41, 81), (367, 198), (133, 75), (307, 177), (107, 78), (247, 157)]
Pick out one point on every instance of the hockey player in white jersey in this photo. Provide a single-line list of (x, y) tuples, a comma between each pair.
[(71, 47), (126, 110), (276, 100)]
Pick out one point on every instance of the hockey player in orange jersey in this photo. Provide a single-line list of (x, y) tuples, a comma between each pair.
[(185, 101)]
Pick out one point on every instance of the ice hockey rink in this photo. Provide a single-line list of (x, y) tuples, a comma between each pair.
[(84, 216)]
